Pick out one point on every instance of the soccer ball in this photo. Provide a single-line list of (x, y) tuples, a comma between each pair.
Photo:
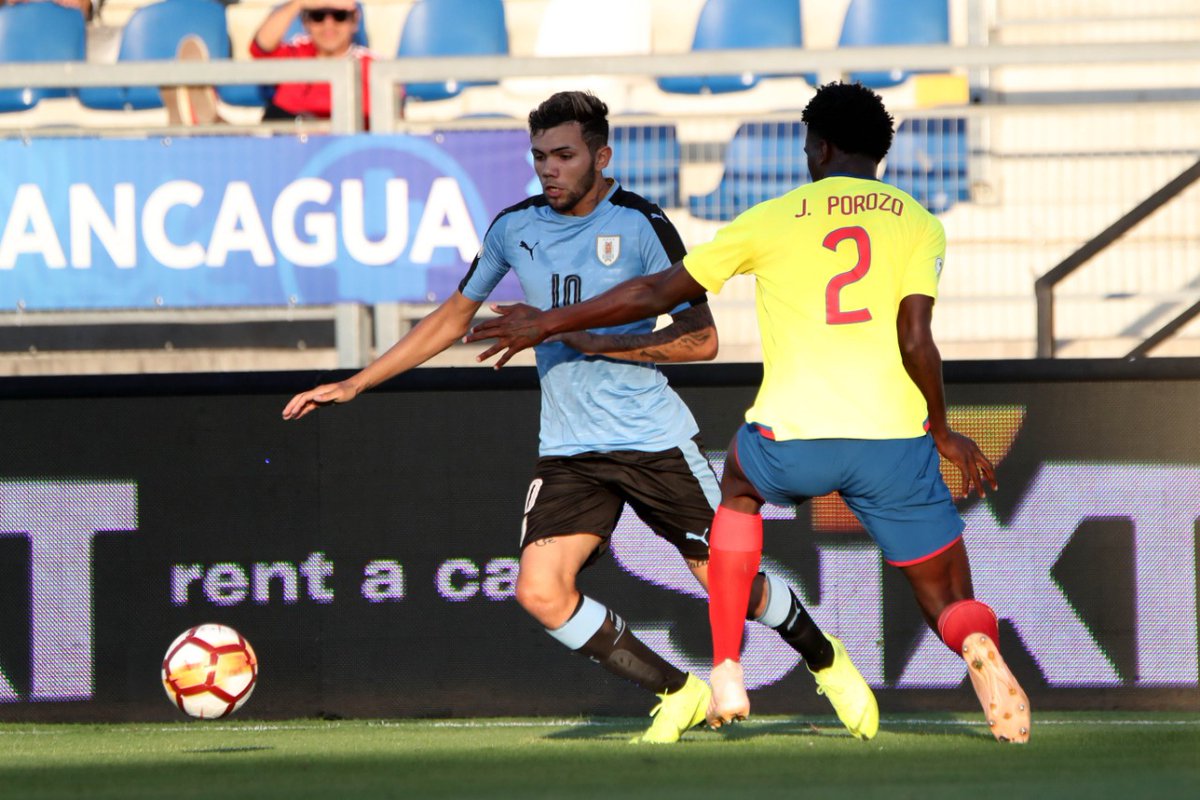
[(209, 671)]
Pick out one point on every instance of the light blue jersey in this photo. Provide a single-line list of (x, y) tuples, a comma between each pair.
[(589, 403)]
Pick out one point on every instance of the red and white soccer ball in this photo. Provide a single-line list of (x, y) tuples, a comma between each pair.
[(209, 671)]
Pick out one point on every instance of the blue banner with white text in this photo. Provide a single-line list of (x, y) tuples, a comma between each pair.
[(243, 221)]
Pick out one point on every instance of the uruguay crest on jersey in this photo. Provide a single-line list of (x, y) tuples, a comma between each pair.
[(608, 249)]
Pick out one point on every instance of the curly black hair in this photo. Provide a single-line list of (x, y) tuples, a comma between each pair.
[(852, 118), (582, 107)]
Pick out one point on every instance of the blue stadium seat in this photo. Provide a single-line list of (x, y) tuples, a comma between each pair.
[(764, 160), (153, 32), (734, 24), (297, 28), (646, 160), (452, 28), (875, 23), (928, 159), (38, 32)]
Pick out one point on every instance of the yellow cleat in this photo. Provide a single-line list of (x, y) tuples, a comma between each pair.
[(848, 692), (729, 701), (677, 713), (1004, 702)]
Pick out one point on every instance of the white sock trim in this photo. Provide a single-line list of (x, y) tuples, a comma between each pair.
[(779, 602), (583, 624)]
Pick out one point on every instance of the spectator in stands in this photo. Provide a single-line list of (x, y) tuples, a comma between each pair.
[(329, 28)]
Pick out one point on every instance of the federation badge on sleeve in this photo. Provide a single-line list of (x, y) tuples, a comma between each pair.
[(937, 266), (608, 249)]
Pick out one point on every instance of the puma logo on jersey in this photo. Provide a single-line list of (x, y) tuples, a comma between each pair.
[(530, 249), (663, 217), (699, 537)]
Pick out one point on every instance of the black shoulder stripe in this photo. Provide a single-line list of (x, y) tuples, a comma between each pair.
[(470, 271), (668, 237), (529, 202)]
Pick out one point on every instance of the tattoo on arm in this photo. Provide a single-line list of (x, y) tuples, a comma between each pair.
[(685, 339)]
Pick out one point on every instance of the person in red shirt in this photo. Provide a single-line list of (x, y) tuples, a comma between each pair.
[(329, 28)]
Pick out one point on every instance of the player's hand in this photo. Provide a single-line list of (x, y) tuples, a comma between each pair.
[(323, 395), (962, 452), (518, 327)]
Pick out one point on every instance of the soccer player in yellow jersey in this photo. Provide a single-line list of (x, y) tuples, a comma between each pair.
[(846, 272)]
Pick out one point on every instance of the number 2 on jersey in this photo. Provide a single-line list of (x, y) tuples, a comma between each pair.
[(834, 315)]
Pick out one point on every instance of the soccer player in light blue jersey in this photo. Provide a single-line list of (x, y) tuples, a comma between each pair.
[(612, 430)]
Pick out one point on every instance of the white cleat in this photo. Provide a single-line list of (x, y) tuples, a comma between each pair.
[(1005, 705), (729, 701)]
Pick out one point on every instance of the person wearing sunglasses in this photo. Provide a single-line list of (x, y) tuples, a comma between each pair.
[(329, 28)]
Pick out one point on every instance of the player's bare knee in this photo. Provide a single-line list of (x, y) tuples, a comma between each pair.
[(547, 601), (528, 593)]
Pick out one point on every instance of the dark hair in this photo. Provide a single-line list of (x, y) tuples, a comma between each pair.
[(852, 118), (582, 107)]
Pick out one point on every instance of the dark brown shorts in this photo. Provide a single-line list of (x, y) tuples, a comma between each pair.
[(673, 491)]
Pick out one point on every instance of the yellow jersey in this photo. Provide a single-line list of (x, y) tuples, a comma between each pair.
[(831, 260)]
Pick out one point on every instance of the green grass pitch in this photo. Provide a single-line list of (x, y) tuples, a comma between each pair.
[(1071, 755)]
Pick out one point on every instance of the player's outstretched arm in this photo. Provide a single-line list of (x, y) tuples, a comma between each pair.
[(924, 365), (442, 328), (520, 326), (691, 336)]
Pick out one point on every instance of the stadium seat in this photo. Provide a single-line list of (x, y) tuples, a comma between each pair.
[(582, 28), (646, 160), (928, 159), (739, 24), (297, 28), (763, 160), (153, 32), (38, 32), (452, 28), (875, 23)]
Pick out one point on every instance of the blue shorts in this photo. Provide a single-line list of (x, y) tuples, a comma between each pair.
[(893, 486)]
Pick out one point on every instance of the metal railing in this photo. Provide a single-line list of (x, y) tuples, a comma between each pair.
[(828, 64), (343, 75), (1044, 286), (387, 75)]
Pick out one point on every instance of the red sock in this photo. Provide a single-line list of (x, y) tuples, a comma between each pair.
[(959, 620), (735, 548)]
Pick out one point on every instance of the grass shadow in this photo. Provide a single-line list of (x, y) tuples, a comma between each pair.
[(600, 729), (624, 729)]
